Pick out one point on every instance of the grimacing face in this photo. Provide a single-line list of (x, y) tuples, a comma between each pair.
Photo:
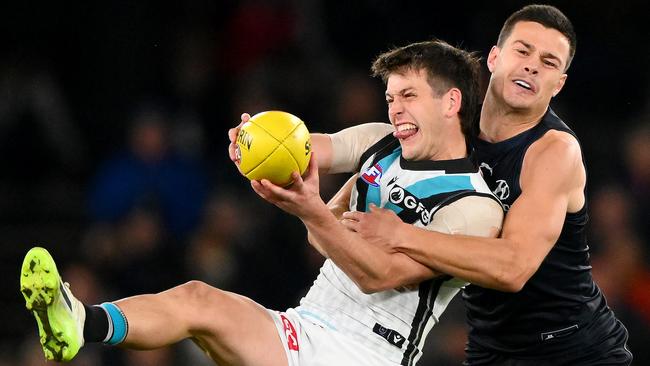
[(528, 70), (415, 112)]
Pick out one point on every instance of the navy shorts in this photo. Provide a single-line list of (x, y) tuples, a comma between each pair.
[(612, 351)]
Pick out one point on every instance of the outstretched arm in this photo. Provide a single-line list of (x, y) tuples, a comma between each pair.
[(552, 182), (371, 268), (350, 142)]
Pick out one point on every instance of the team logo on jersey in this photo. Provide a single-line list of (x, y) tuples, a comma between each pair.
[(372, 175), (407, 201), (502, 190), (392, 336), (485, 167), (290, 333)]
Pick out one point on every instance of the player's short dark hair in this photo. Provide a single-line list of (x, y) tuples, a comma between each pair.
[(546, 15), (446, 66)]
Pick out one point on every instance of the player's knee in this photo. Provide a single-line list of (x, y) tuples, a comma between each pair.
[(197, 293), (205, 301)]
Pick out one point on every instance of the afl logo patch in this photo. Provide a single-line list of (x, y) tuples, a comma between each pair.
[(372, 176)]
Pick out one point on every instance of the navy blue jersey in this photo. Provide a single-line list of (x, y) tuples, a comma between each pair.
[(560, 309)]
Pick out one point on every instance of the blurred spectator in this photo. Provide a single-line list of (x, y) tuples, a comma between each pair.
[(361, 99), (637, 163), (133, 255), (149, 173), (619, 268), (36, 127), (211, 255), (256, 29)]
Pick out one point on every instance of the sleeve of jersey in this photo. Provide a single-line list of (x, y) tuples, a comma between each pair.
[(349, 144), (470, 215)]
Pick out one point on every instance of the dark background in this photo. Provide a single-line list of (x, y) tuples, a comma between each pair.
[(104, 105)]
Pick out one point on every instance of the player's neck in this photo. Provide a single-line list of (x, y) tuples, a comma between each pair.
[(500, 122), (452, 146)]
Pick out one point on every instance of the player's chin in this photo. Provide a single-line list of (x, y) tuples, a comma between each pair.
[(521, 102), (408, 153)]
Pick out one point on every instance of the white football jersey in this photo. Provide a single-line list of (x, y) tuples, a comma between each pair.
[(447, 196)]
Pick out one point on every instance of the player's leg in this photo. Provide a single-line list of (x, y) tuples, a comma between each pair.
[(232, 329)]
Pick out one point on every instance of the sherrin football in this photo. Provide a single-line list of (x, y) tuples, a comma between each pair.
[(272, 145)]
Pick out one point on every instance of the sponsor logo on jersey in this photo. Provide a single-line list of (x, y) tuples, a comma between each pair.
[(502, 190), (485, 167), (372, 175), (407, 201), (392, 336), (290, 333)]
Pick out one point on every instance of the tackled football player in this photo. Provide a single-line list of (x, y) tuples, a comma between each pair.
[(368, 306)]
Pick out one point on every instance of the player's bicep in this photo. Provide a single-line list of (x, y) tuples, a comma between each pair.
[(321, 145), (349, 144), (550, 174)]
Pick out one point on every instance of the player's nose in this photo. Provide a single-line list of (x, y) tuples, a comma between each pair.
[(395, 108)]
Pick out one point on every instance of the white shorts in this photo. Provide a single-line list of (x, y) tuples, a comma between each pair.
[(310, 344)]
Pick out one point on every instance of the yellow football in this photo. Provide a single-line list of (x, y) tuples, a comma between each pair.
[(272, 145)]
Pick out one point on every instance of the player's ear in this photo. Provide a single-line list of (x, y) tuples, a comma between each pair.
[(452, 101), (560, 84), (492, 58)]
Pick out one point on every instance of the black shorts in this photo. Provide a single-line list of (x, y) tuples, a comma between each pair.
[(612, 351)]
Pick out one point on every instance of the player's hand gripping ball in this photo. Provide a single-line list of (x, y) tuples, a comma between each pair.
[(272, 145)]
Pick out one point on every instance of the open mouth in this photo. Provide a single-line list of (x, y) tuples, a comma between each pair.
[(525, 85), (405, 130)]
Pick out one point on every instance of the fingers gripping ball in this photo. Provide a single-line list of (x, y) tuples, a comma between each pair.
[(272, 145)]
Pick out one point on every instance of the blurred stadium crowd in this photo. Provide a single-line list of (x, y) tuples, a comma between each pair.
[(113, 146)]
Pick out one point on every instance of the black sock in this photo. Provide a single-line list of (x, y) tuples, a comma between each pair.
[(96, 324)]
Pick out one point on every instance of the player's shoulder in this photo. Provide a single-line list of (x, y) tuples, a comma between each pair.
[(477, 202), (555, 145), (554, 159), (478, 215)]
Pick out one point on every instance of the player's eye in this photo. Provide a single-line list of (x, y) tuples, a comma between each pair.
[(522, 52), (550, 63)]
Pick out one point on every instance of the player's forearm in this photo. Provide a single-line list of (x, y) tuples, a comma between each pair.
[(337, 205), (487, 262), (371, 268), (315, 244), (344, 247)]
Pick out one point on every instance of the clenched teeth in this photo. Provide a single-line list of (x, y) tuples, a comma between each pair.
[(406, 126)]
